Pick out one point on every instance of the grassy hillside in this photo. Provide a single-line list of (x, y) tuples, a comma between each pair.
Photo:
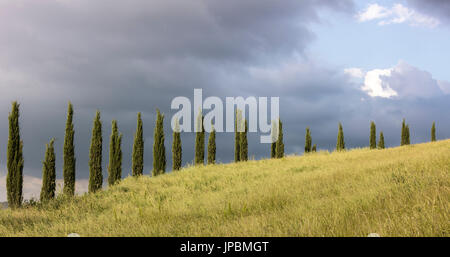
[(403, 191)]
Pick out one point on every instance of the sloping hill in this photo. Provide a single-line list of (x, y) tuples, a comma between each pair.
[(403, 191)]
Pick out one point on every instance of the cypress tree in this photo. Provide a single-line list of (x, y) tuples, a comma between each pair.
[(340, 145), (138, 149), (14, 178), (159, 149), (176, 148), (280, 144), (273, 146), (244, 143), (115, 155), (212, 147), (48, 173), (308, 141), (381, 141), (237, 136), (314, 148), (403, 139), (273, 150), (69, 155), (433, 132), (200, 141), (95, 156), (373, 136), (407, 141)]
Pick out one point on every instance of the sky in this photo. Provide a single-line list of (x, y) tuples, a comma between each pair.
[(329, 61)]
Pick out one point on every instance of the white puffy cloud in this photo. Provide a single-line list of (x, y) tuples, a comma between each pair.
[(374, 84), (400, 81), (372, 12), (397, 14)]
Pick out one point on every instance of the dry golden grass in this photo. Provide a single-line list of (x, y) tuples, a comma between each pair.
[(403, 191)]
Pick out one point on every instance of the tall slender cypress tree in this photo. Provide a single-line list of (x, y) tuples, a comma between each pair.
[(308, 140), (280, 144), (95, 156), (244, 143), (274, 135), (115, 155), (14, 178), (340, 145), (433, 132), (212, 147), (403, 139), (159, 149), (407, 140), (273, 150), (69, 154), (48, 173), (176, 148), (138, 149), (237, 136), (381, 141), (200, 141), (373, 136)]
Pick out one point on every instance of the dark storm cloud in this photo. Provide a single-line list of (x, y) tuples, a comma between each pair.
[(436, 8), (122, 57)]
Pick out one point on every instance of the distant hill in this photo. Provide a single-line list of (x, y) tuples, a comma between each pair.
[(401, 191)]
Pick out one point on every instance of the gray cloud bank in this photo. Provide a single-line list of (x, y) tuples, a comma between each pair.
[(436, 8), (122, 57)]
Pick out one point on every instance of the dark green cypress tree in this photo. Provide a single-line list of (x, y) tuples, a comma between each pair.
[(95, 156), (200, 142), (280, 144), (340, 145), (373, 136), (244, 143), (69, 155), (115, 155), (381, 141), (403, 139), (48, 173), (273, 150), (159, 149), (273, 145), (119, 158), (212, 147), (176, 148), (308, 140), (407, 141), (14, 178), (237, 136), (314, 148), (433, 132), (138, 149)]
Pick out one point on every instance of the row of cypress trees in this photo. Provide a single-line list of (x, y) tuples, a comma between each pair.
[(373, 137), (405, 136), (15, 161)]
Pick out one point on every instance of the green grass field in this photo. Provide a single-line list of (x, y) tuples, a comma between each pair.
[(402, 191)]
